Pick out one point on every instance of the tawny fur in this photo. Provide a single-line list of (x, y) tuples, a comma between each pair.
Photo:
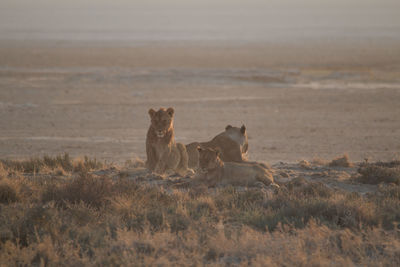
[(164, 155), (213, 171), (233, 144)]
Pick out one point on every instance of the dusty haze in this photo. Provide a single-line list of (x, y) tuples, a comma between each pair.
[(245, 21)]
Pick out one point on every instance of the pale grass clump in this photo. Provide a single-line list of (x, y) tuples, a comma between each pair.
[(305, 164), (342, 161), (319, 162)]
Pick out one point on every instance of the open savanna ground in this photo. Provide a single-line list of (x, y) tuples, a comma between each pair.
[(58, 211), (298, 101)]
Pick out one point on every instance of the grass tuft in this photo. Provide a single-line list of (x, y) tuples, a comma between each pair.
[(8, 193), (85, 188), (61, 164), (380, 172), (342, 161)]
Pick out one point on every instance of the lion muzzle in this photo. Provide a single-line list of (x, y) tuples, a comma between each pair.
[(160, 134)]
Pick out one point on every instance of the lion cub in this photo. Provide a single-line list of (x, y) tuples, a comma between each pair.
[(232, 143), (164, 155), (215, 171)]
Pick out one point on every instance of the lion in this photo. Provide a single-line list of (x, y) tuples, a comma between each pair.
[(164, 155), (233, 144), (214, 171)]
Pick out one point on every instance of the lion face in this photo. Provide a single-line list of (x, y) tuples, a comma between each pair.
[(161, 121), (238, 135), (208, 159)]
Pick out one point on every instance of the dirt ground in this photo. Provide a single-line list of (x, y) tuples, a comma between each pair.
[(301, 101)]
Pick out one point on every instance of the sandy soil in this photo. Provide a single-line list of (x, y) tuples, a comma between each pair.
[(337, 178), (298, 101)]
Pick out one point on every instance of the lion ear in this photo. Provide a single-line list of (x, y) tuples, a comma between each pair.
[(228, 127), (170, 111), (243, 129), (151, 112)]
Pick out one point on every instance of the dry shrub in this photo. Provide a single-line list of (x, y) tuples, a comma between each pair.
[(85, 188), (91, 221), (32, 165), (319, 162), (86, 164), (300, 201), (36, 221), (62, 163), (201, 207), (314, 245), (375, 173), (135, 163), (305, 164), (45, 252), (8, 194), (342, 161), (59, 172), (81, 214), (300, 187), (36, 165), (390, 164), (3, 171), (126, 187), (25, 223), (390, 192)]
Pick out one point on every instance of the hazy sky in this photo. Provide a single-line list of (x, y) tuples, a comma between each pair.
[(246, 20)]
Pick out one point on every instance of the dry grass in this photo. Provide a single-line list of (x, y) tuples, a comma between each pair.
[(305, 164), (89, 220), (8, 194), (319, 162), (85, 188), (380, 172), (61, 164), (342, 161), (136, 163)]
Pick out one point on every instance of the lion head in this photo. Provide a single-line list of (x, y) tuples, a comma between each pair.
[(238, 135), (209, 159), (162, 121)]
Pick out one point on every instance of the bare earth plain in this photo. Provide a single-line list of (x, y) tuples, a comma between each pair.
[(303, 105), (298, 101)]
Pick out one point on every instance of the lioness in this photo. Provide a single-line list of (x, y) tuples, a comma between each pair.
[(164, 155), (214, 171), (232, 143)]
